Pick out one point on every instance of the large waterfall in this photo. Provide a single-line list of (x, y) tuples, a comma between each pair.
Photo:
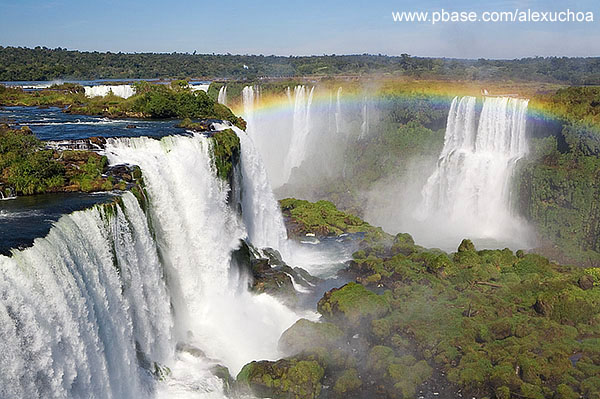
[(470, 188), (115, 292), (284, 135), (364, 127), (75, 305), (301, 128), (261, 212)]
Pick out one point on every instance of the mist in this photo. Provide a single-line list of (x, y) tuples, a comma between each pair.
[(456, 184)]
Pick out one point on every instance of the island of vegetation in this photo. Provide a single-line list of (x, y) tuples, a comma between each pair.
[(157, 101)]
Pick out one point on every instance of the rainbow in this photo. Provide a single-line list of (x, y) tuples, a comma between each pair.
[(274, 103)]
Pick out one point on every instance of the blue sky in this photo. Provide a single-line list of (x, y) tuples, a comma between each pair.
[(294, 28)]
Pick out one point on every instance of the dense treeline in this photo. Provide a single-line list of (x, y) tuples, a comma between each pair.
[(17, 63)]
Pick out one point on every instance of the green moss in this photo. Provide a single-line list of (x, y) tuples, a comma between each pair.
[(503, 392), (407, 377), (563, 391), (226, 148), (595, 273), (466, 245), (321, 218), (352, 304), (348, 382), (305, 335), (282, 379)]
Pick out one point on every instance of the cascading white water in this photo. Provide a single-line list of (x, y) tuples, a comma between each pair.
[(201, 87), (250, 95), (222, 96), (364, 127), (470, 187), (264, 221), (74, 306), (286, 137), (92, 309), (260, 210), (338, 111), (196, 231), (301, 128), (124, 91)]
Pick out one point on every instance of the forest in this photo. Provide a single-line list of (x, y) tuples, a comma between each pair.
[(41, 63)]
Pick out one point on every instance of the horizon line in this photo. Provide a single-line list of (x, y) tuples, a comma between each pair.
[(194, 53)]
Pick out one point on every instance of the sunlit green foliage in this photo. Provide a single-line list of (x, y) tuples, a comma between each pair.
[(150, 101), (321, 217), (27, 168)]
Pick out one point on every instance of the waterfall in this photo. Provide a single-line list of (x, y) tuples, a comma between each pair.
[(75, 305), (116, 291), (364, 127), (124, 91), (199, 87), (222, 97), (196, 231), (250, 95), (301, 128), (470, 187), (338, 111), (260, 210)]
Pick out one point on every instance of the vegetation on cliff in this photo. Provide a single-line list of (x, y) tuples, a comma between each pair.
[(558, 185), (225, 152), (498, 324)]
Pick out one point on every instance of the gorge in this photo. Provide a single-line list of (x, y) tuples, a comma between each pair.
[(195, 281)]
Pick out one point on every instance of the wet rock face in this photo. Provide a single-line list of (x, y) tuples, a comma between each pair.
[(270, 274)]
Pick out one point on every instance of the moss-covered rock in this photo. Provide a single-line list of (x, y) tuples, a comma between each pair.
[(226, 152), (200, 126), (321, 218), (305, 335), (352, 304), (466, 245), (286, 378), (347, 383)]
